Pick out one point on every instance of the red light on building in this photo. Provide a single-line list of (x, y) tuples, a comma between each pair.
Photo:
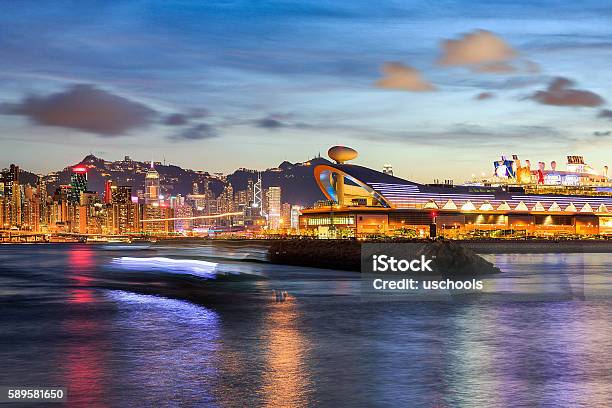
[(79, 170), (107, 191)]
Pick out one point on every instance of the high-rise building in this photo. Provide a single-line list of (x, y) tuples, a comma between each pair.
[(250, 190), (152, 190), (12, 216), (78, 183), (295, 218), (30, 209), (43, 197), (123, 210), (285, 216), (2, 202), (183, 211), (157, 212), (59, 209), (258, 197), (108, 196), (226, 200), (89, 214), (274, 208)]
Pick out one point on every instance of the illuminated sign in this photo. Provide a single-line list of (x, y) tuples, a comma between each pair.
[(575, 160), (571, 180), (79, 169), (504, 168), (605, 222), (552, 179)]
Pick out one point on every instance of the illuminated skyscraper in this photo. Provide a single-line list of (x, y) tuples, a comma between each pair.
[(43, 196), (123, 210), (78, 183), (295, 218), (12, 197), (274, 208), (156, 212), (108, 197), (2, 202), (286, 215), (258, 202), (152, 186), (30, 209)]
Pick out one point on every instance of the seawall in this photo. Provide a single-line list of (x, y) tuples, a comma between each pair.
[(346, 254)]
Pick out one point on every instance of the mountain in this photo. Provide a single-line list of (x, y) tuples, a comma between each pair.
[(295, 179), (127, 172)]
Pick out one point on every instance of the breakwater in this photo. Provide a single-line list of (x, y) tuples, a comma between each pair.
[(453, 257), (346, 254), (328, 253)]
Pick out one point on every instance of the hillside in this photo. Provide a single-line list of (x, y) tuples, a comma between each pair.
[(295, 179)]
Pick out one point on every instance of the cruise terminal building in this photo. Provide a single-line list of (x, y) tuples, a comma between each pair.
[(365, 202)]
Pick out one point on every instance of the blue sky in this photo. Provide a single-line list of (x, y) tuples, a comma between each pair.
[(220, 85)]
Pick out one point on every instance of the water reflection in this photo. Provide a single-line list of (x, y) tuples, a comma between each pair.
[(286, 381), (178, 348), (81, 263), (84, 356), (473, 360), (84, 363), (324, 347)]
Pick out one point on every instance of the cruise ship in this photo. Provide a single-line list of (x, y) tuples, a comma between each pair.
[(515, 201), (577, 176)]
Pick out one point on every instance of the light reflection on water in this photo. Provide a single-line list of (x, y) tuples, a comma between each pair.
[(286, 378), (176, 353), (84, 352), (309, 339)]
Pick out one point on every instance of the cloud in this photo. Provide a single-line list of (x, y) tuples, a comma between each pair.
[(198, 113), (495, 68), (176, 119), (524, 82), (466, 135), (476, 48), (504, 67), (269, 123), (560, 93), (532, 67), (180, 119), (605, 113), (87, 108), (602, 133), (402, 77), (276, 121), (197, 132), (484, 95)]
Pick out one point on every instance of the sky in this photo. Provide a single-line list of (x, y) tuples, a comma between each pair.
[(437, 89)]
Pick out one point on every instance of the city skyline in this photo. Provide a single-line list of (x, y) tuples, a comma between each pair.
[(217, 87)]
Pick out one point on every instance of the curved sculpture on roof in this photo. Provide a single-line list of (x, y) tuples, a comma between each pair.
[(328, 178)]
